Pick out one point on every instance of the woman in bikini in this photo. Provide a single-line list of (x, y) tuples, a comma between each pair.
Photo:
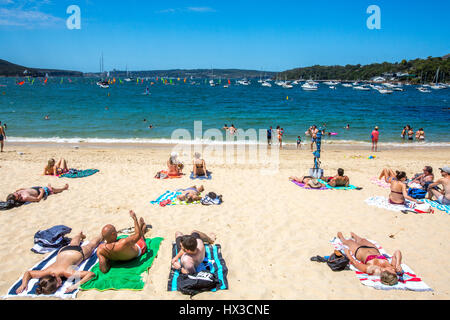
[(369, 260), (174, 166), (57, 169), (69, 256), (399, 192), (199, 166), (315, 184)]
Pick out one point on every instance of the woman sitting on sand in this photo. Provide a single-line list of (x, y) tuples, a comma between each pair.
[(199, 166), (57, 169), (68, 257), (370, 259), (174, 166), (399, 191)]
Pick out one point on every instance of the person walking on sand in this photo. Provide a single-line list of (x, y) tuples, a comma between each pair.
[(125, 249), (375, 136), (68, 257), (269, 136), (313, 131), (2, 136)]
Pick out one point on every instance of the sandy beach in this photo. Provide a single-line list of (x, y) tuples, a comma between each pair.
[(268, 227)]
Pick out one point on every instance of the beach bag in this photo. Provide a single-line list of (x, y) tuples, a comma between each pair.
[(211, 199), (196, 283), (417, 193), (338, 261)]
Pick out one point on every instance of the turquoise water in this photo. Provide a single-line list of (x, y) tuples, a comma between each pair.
[(77, 111)]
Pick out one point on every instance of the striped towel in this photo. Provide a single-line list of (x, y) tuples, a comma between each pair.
[(408, 281), (172, 196), (213, 263), (438, 206), (86, 265), (383, 203), (381, 183)]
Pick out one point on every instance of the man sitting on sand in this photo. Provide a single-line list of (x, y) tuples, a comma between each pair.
[(426, 177), (191, 194), (191, 250), (34, 194), (68, 257), (370, 261), (124, 249), (443, 197), (339, 180)]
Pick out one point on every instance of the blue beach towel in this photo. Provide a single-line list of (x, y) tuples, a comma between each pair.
[(172, 196), (350, 187), (213, 263), (74, 173), (86, 265), (437, 205), (207, 177)]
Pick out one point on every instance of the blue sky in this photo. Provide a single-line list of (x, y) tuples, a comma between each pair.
[(248, 34)]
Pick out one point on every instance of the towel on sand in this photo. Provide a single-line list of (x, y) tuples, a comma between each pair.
[(213, 263), (86, 265), (437, 205), (408, 281), (350, 186), (207, 177), (172, 196), (125, 275), (74, 173), (302, 185), (383, 203), (381, 183)]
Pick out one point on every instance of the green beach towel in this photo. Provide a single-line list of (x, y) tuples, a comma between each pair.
[(126, 275)]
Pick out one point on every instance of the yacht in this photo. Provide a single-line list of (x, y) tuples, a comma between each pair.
[(266, 84), (347, 85), (361, 88), (309, 87), (385, 91), (424, 90), (212, 83), (287, 85), (332, 87)]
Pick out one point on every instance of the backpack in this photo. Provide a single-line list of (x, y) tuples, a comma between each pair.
[(417, 193), (338, 261), (198, 282), (211, 199)]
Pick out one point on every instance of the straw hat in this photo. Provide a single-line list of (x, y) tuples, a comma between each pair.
[(314, 183)]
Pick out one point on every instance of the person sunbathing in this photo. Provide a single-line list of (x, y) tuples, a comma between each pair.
[(308, 181), (199, 166), (369, 260), (399, 191), (68, 257), (55, 169), (191, 194), (34, 194), (191, 251), (443, 197), (124, 249), (339, 180), (175, 167)]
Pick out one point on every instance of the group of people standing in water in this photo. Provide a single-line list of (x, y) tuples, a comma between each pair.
[(408, 133)]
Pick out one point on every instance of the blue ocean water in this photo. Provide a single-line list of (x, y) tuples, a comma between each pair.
[(81, 110)]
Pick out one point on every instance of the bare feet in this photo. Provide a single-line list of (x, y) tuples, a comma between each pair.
[(66, 186), (82, 236), (340, 236), (213, 237), (201, 189)]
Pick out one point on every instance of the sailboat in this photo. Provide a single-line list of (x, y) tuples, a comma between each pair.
[(128, 79), (437, 86), (102, 83)]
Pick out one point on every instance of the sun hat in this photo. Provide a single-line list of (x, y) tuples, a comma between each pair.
[(313, 183), (445, 169)]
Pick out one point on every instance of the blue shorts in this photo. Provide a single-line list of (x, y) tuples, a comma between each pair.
[(1, 137)]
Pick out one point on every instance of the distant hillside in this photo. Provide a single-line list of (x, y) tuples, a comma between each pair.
[(195, 73), (415, 70), (8, 69)]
